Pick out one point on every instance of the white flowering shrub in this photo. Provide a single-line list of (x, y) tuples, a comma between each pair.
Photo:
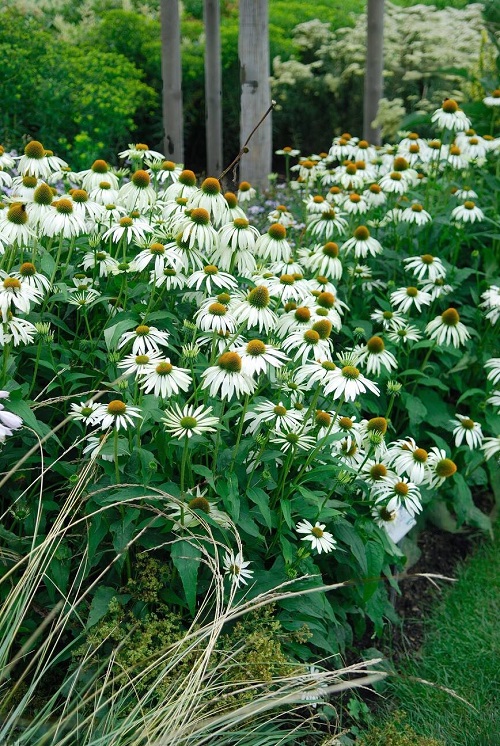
[(250, 393), (429, 54)]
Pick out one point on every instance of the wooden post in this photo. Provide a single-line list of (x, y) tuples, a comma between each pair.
[(213, 87), (171, 70), (253, 50), (374, 83)]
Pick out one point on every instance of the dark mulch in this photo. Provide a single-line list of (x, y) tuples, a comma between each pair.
[(441, 553)]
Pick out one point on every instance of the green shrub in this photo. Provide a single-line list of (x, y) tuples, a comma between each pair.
[(396, 733)]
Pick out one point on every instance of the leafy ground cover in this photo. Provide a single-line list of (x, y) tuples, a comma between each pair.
[(231, 404), (461, 653)]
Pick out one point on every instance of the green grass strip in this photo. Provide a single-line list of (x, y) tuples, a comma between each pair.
[(461, 652)]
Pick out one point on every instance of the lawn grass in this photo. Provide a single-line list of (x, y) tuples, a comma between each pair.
[(461, 652)]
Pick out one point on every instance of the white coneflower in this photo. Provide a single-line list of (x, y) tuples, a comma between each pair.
[(254, 310), (196, 231), (164, 379), (62, 220), (99, 171), (139, 152), (189, 421), (273, 246), (406, 298), (258, 357), (494, 399), (146, 339), (447, 329), (282, 215), (86, 208), (246, 192), (390, 320), (394, 183), (104, 194), (34, 161), (405, 457), (350, 429), (374, 196), (467, 430), (375, 357), (313, 372), (154, 254), (116, 414), (465, 193), (401, 489), (29, 275), (276, 416), (100, 260), (136, 364), (341, 148), (234, 210), (467, 213), (185, 516), (137, 194), (17, 294), (349, 382), (226, 377), (325, 261), (8, 420), (6, 160), (236, 568), (491, 303), (362, 244), (355, 204), (288, 151), (416, 214), (493, 99), (170, 277), (437, 288), (316, 204), (450, 117), (166, 172), (210, 198), (14, 225), (5, 178), (287, 287), (16, 331), (85, 412), (350, 177), (112, 213), (374, 471), (215, 318), (211, 280), (321, 540), (184, 187), (336, 196), (491, 447), (297, 438), (307, 345), (440, 467), (43, 196), (327, 225), (82, 297), (493, 367), (307, 169), (129, 229), (407, 333), (426, 266), (236, 236), (23, 188)]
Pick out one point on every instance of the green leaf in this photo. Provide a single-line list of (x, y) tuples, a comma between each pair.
[(204, 472), (229, 491), (113, 333), (417, 411), (261, 499), (122, 532), (286, 510), (344, 532), (100, 604), (186, 558)]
